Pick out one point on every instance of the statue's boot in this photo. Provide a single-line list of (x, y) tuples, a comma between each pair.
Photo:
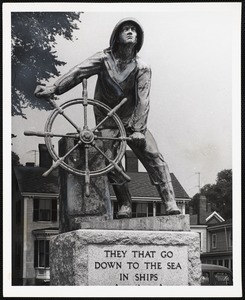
[(166, 193), (124, 201)]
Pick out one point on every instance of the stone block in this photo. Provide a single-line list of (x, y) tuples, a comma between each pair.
[(160, 223), (75, 206), (125, 257)]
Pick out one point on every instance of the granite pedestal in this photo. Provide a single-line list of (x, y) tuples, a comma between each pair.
[(120, 255)]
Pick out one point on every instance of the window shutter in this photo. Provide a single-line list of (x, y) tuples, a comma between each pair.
[(35, 253), (54, 210), (47, 253), (35, 209)]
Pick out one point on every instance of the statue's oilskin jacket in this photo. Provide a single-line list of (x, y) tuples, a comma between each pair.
[(112, 86)]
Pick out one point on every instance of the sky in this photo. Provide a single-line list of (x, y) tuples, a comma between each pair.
[(191, 55)]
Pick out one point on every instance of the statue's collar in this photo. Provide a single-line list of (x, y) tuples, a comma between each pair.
[(113, 70)]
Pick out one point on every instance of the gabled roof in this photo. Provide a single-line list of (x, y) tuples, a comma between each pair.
[(227, 223), (214, 214), (30, 180)]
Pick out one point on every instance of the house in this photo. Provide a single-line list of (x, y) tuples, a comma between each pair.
[(215, 235), (34, 220), (35, 208), (219, 245)]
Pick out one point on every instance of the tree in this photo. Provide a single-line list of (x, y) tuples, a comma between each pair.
[(219, 195), (33, 53), (15, 159)]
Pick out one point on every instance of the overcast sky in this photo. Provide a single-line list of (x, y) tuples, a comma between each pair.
[(190, 51)]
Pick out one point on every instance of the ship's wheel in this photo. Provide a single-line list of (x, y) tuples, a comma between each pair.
[(85, 137)]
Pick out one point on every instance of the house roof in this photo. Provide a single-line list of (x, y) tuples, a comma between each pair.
[(221, 224), (140, 186), (214, 214), (30, 180), (209, 217)]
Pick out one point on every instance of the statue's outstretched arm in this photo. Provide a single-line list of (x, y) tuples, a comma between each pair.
[(91, 66)]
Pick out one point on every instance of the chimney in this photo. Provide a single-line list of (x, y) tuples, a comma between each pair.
[(45, 159), (131, 161), (202, 212), (190, 210)]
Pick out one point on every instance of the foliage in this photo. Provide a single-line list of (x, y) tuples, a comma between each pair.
[(15, 159), (33, 53), (219, 195)]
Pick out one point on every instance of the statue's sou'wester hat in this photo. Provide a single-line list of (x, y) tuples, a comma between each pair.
[(139, 29)]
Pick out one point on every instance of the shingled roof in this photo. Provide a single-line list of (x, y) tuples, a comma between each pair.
[(30, 180), (140, 186)]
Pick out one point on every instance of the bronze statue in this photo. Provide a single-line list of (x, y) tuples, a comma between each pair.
[(121, 73)]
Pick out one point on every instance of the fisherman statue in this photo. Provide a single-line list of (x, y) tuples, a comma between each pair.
[(122, 74)]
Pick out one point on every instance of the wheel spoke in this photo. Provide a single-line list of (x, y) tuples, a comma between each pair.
[(121, 138), (87, 174), (61, 112), (85, 104), (120, 170), (60, 160), (110, 114), (50, 134)]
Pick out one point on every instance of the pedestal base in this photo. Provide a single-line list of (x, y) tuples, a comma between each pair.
[(125, 257)]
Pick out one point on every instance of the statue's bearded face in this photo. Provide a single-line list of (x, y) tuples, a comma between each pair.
[(128, 34)]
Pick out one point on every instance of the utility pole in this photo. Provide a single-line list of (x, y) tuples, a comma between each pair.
[(199, 181)]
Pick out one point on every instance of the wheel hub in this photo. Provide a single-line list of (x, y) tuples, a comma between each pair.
[(86, 136)]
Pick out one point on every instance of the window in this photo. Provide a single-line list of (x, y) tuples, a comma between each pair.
[(159, 209), (150, 209), (220, 262), (227, 263), (141, 210), (214, 240), (44, 209), (41, 254), (230, 239), (134, 205), (115, 209)]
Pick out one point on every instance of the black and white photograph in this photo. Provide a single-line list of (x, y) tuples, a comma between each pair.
[(121, 149)]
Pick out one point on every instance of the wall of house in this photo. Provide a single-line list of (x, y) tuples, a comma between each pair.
[(29, 226), (17, 233), (223, 242), (202, 230)]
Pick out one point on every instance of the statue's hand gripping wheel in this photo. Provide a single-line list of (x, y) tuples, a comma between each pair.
[(85, 136)]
